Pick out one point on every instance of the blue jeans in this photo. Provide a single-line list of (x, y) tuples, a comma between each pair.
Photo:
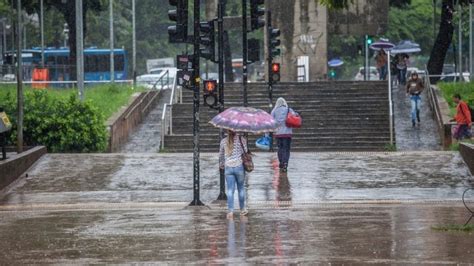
[(284, 145), (383, 72), (235, 175), (402, 76), (415, 107)]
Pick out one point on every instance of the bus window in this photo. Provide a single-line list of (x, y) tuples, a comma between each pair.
[(103, 63), (91, 63), (119, 62)]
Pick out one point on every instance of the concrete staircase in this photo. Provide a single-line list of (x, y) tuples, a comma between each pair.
[(337, 116)]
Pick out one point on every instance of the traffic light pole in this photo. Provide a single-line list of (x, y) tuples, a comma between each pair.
[(366, 67), (196, 171), (244, 52), (220, 33), (269, 66)]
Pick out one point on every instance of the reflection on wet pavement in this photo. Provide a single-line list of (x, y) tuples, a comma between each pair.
[(339, 234), (126, 208), (82, 178), (408, 138)]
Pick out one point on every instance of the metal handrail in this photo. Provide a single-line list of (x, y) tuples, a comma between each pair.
[(390, 102), (167, 117)]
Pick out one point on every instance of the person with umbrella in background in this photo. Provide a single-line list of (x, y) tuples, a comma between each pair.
[(283, 133), (234, 155), (381, 62)]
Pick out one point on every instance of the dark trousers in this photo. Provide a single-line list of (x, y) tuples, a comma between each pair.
[(284, 145)]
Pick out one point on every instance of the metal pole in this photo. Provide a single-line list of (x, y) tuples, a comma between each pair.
[(366, 70), (80, 49), (269, 68), (42, 32), (390, 103), (134, 44), (460, 40), (111, 28), (20, 98), (220, 36), (471, 69), (196, 151), (4, 40), (244, 52)]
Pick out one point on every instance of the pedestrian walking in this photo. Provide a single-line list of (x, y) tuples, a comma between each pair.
[(463, 119), (381, 62), (402, 66), (232, 147), (283, 133), (414, 88)]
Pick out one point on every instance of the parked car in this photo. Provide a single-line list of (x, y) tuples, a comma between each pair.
[(455, 77), (374, 74), (156, 81)]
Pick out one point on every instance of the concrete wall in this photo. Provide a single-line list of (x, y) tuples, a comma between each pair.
[(467, 153), (441, 111), (16, 165), (124, 122)]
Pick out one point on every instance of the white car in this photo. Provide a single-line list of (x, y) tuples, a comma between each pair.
[(156, 81), (160, 70), (374, 74), (455, 77)]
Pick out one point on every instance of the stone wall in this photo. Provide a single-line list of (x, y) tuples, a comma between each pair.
[(124, 122), (467, 153), (13, 167)]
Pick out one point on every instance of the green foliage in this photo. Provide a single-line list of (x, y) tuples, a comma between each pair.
[(62, 125), (58, 120), (454, 228), (390, 147), (466, 90)]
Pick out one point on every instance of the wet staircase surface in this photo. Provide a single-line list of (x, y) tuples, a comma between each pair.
[(146, 138), (337, 116), (423, 136)]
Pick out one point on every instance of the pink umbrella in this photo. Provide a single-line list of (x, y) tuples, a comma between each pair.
[(245, 119)]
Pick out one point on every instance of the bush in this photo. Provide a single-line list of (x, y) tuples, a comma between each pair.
[(466, 90), (61, 124)]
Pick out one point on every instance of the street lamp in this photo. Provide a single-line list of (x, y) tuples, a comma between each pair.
[(66, 34)]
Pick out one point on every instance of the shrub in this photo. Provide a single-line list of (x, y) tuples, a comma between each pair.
[(61, 124)]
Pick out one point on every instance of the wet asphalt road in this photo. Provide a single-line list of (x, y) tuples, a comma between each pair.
[(330, 207), (422, 137)]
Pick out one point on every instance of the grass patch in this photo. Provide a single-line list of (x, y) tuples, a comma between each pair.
[(454, 228), (466, 90), (108, 98), (390, 147)]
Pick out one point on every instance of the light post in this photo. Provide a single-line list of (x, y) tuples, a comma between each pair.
[(134, 45), (19, 79), (42, 32), (80, 49), (111, 28)]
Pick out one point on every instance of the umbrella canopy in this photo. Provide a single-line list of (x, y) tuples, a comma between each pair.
[(335, 62), (406, 47), (245, 119), (382, 44)]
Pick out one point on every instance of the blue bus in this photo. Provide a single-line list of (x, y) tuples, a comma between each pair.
[(96, 63)]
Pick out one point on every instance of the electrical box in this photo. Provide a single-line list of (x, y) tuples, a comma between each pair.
[(5, 124)]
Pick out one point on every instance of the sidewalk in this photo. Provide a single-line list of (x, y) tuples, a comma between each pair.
[(331, 207)]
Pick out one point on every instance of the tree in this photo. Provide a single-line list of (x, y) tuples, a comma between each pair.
[(68, 9), (445, 33)]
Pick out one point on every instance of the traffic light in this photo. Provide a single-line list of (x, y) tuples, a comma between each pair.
[(369, 40), (275, 72), (178, 33), (332, 74), (210, 93), (256, 12), (207, 40), (274, 41)]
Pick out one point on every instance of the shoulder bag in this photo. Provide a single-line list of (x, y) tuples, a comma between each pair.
[(293, 120), (246, 158)]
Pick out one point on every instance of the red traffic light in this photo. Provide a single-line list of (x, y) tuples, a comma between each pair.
[(210, 86), (276, 67)]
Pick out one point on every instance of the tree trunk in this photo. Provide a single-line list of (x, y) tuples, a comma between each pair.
[(443, 40)]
